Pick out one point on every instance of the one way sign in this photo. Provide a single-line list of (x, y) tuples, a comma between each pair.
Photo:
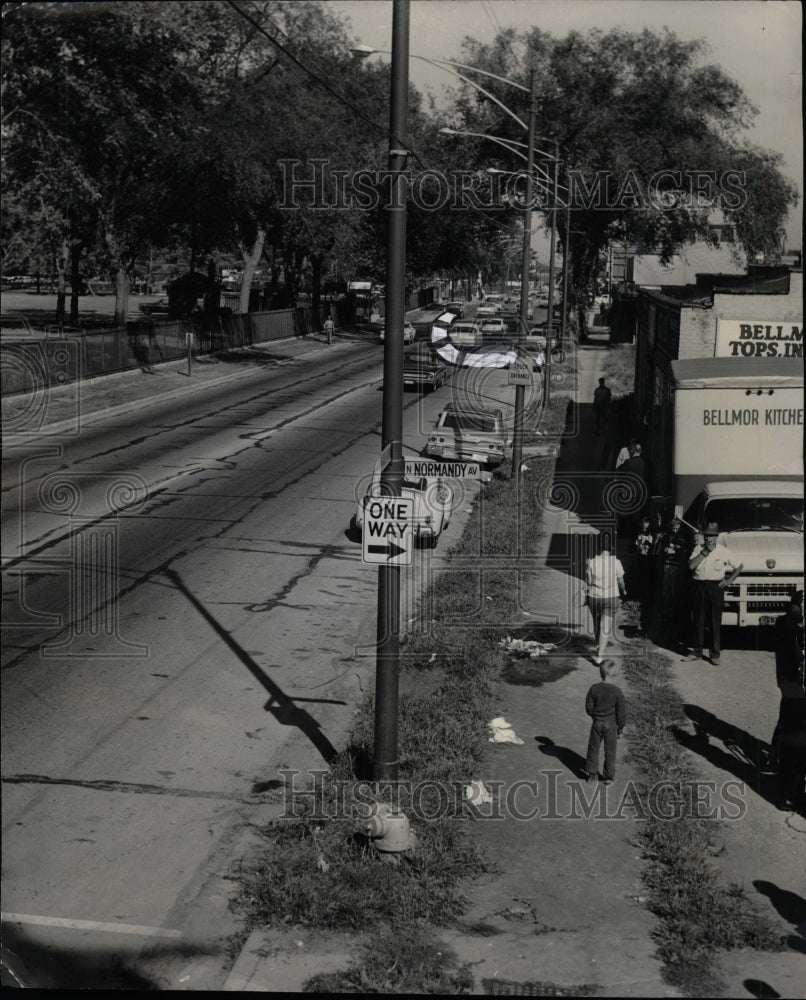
[(388, 537)]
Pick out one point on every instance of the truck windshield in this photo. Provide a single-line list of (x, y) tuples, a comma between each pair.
[(757, 514)]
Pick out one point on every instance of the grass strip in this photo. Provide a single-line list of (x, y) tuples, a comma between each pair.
[(315, 869), (699, 915)]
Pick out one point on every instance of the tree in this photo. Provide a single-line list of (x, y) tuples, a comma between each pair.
[(643, 127), (88, 102)]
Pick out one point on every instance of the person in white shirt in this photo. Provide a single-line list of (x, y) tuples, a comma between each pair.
[(709, 562), (604, 579), (625, 452)]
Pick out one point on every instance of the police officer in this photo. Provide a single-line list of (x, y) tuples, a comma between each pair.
[(709, 562)]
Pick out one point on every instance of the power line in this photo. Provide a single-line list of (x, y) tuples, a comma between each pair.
[(323, 83)]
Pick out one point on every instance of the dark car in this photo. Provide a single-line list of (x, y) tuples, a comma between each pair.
[(424, 371), (158, 309), (457, 308)]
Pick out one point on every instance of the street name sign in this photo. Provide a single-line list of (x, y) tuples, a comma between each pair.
[(417, 467), (388, 533), (520, 373)]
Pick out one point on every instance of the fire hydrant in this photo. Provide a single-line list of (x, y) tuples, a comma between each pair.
[(388, 828)]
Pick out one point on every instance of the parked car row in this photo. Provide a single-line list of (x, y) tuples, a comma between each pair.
[(461, 433), (409, 333)]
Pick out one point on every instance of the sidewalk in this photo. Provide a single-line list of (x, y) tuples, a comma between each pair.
[(565, 914), (120, 392)]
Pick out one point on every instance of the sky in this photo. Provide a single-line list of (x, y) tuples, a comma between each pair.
[(756, 42)]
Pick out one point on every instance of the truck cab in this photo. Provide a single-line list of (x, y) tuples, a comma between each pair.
[(737, 459), (761, 523)]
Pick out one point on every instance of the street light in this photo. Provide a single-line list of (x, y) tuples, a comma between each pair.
[(364, 51)]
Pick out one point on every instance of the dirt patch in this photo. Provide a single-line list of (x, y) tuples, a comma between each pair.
[(536, 673)]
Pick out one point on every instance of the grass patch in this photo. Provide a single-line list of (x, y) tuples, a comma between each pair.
[(394, 962), (699, 914)]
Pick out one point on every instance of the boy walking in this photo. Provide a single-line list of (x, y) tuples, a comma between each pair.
[(607, 708)]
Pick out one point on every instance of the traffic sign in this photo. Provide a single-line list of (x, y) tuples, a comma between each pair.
[(417, 467), (520, 373), (388, 532)]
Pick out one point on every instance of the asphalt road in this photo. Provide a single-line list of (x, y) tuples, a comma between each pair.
[(185, 612)]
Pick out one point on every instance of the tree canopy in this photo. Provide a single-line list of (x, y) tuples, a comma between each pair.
[(651, 138), (136, 126)]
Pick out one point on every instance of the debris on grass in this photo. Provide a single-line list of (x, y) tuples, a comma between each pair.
[(527, 647)]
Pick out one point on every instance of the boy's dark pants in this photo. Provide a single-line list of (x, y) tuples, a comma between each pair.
[(707, 601), (607, 730)]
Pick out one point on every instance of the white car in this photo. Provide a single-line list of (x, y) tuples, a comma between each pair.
[(464, 335), (409, 333), (493, 329), (432, 501)]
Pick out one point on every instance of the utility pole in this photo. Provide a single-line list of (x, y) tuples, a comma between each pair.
[(566, 269), (387, 664), (517, 436), (550, 317)]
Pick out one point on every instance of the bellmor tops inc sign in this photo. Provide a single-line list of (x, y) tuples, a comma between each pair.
[(754, 338)]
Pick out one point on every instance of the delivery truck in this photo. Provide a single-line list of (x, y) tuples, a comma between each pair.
[(737, 460)]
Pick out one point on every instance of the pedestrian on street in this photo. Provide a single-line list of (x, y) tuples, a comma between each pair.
[(672, 550), (632, 473), (789, 659), (604, 581), (641, 584), (624, 454), (601, 405), (709, 562), (607, 707), (329, 329), (792, 765)]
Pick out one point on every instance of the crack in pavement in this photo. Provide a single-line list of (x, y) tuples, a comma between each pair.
[(136, 788)]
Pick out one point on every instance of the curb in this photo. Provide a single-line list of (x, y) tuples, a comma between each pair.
[(280, 961)]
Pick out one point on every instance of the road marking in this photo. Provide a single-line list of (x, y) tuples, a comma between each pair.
[(89, 925)]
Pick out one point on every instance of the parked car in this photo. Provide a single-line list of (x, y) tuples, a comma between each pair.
[(493, 328), (455, 307), (409, 333), (470, 435), (424, 371), (464, 335), (433, 502), (159, 308), (513, 325)]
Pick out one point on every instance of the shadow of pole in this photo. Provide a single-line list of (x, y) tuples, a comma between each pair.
[(282, 707)]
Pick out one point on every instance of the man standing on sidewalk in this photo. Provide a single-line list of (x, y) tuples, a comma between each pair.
[(328, 329), (601, 405), (709, 562)]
